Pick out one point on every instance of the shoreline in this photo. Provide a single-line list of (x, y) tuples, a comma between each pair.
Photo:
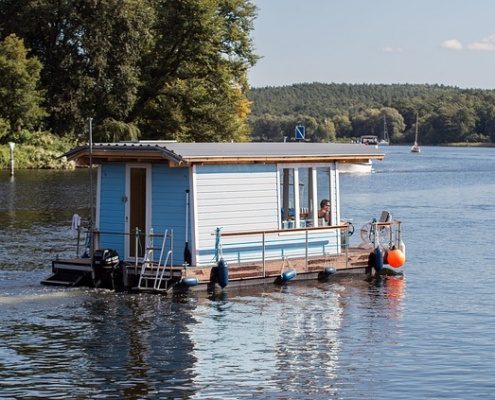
[(467, 144), (46, 159)]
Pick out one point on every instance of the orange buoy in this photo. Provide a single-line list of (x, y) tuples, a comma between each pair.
[(396, 258)]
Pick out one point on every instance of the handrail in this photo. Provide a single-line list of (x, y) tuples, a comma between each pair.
[(316, 228), (390, 223), (141, 233), (263, 234)]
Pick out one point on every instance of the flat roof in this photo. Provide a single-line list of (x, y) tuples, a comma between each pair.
[(183, 154)]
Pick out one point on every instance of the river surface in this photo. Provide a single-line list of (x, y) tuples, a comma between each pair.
[(429, 334)]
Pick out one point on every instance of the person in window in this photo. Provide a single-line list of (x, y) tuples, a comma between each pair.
[(324, 212)]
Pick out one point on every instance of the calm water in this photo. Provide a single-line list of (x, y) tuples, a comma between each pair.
[(428, 335)]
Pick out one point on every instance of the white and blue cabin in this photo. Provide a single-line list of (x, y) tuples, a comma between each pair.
[(253, 204)]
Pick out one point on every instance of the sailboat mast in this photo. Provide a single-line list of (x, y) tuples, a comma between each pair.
[(416, 136), (385, 130), (415, 148)]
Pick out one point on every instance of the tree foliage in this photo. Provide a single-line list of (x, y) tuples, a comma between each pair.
[(172, 68), (446, 114), (20, 97)]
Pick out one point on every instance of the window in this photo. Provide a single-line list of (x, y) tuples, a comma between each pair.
[(288, 197), (299, 208)]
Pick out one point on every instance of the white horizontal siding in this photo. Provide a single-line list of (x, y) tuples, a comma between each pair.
[(231, 181), (234, 198), (243, 194)]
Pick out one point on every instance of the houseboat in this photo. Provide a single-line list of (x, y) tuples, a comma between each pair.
[(173, 216)]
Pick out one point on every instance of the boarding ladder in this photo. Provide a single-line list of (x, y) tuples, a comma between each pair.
[(155, 276)]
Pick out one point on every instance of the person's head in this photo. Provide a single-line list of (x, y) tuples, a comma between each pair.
[(325, 203)]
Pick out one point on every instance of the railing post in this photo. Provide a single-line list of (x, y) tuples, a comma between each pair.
[(172, 250), (151, 245), (375, 234), (96, 240), (391, 235), (78, 241), (398, 234), (347, 246), (136, 245), (306, 256), (263, 253)]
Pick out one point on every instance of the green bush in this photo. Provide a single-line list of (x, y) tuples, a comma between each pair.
[(477, 138), (41, 150)]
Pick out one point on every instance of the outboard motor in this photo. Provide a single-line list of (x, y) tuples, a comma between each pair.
[(105, 262)]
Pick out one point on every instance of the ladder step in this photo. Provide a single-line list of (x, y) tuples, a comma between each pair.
[(148, 276), (149, 289)]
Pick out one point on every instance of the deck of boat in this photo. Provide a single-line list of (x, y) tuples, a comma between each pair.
[(357, 261), (71, 272)]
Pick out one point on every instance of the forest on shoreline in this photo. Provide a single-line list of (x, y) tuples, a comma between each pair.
[(343, 112)]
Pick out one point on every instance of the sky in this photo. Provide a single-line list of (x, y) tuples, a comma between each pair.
[(449, 42)]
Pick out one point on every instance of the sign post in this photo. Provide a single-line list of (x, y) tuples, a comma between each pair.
[(12, 146)]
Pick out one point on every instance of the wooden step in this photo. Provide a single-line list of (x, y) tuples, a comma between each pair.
[(65, 278)]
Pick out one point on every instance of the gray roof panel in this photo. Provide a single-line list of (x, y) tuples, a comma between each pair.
[(190, 152)]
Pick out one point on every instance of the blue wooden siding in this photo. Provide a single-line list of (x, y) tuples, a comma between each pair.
[(112, 207), (168, 201)]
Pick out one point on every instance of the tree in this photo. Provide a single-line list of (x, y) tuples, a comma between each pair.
[(174, 69), (110, 130), (366, 122), (195, 81), (324, 132), (487, 121), (266, 128), (91, 52), (450, 123), (343, 126), (20, 97)]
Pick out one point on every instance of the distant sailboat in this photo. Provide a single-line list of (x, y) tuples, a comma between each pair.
[(415, 147), (385, 141)]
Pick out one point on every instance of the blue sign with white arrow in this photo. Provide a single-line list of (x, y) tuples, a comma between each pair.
[(300, 132)]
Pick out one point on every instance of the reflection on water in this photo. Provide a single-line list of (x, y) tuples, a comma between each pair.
[(280, 342), (276, 342)]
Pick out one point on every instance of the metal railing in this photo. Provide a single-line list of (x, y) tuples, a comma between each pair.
[(141, 239), (386, 232), (267, 240)]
